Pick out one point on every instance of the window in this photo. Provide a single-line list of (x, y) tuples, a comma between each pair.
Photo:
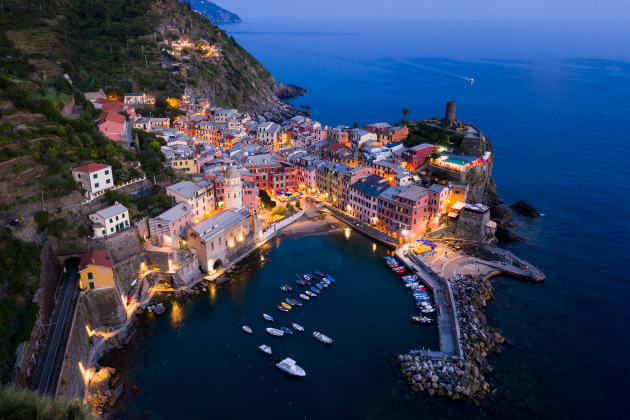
[(122, 216), (91, 285), (111, 220), (95, 176), (96, 185), (90, 276), (107, 172), (103, 232), (116, 218), (107, 181), (112, 229)]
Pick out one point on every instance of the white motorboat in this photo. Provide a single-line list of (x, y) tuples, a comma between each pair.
[(303, 296), (298, 327), (265, 348), (247, 329), (289, 366), (321, 337), (275, 331)]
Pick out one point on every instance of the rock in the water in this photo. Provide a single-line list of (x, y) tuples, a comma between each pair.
[(526, 209), (500, 214), (159, 309), (505, 235)]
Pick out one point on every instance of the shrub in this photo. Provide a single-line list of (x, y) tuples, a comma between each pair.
[(41, 218)]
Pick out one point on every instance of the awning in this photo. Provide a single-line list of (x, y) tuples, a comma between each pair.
[(458, 206), (453, 215)]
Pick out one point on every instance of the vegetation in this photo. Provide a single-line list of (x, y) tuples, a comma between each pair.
[(19, 277), (290, 208), (424, 133), (278, 213), (25, 405), (405, 112), (266, 200)]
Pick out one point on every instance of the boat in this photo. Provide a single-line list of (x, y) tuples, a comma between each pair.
[(400, 270), (422, 319), (286, 330), (316, 290), (284, 289), (268, 317), (410, 277), (319, 273), (321, 337), (288, 365), (288, 287), (297, 302), (332, 226), (247, 329), (275, 332), (298, 327), (307, 277), (300, 282), (303, 296), (265, 348), (289, 301), (325, 284), (319, 286), (427, 310), (331, 279), (282, 308), (311, 294), (326, 281), (286, 305)]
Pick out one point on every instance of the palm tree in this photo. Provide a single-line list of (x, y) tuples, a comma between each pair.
[(405, 112)]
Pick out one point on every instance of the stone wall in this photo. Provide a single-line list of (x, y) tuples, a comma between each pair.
[(105, 307), (187, 272), (30, 351), (129, 270), (472, 224), (143, 227), (120, 246)]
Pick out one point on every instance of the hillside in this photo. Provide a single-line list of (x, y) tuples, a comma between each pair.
[(122, 45), (215, 13)]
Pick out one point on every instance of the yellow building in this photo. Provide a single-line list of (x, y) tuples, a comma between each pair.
[(187, 165), (95, 271)]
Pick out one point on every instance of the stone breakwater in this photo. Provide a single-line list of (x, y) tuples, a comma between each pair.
[(465, 378)]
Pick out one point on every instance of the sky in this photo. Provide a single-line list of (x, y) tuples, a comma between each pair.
[(547, 10)]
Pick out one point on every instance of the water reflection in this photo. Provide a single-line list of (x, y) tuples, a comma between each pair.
[(346, 232), (177, 316), (213, 294)]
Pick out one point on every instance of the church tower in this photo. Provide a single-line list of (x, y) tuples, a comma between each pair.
[(233, 189)]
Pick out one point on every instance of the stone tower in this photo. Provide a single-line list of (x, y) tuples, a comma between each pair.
[(450, 111), (233, 189)]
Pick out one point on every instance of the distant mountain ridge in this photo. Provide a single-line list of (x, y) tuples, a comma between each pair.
[(215, 13)]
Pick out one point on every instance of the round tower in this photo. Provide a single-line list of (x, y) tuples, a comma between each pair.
[(450, 111), (233, 189)]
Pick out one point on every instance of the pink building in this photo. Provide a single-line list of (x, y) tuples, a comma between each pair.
[(114, 126), (168, 228), (349, 178), (250, 196), (418, 155), (362, 198), (438, 199), (403, 211), (307, 176)]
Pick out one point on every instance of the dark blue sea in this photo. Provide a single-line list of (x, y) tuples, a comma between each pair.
[(554, 98)]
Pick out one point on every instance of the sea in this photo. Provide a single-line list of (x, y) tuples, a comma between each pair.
[(554, 98)]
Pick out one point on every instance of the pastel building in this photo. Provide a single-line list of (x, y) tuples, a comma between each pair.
[(95, 271), (403, 211), (109, 220), (169, 228), (199, 196), (363, 198)]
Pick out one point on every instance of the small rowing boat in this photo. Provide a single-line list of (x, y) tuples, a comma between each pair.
[(289, 301), (288, 287), (331, 279), (307, 277), (316, 290), (311, 294), (300, 282), (282, 308), (268, 317), (247, 329), (298, 327), (286, 305), (319, 273), (284, 289), (297, 302), (303, 296), (265, 348), (286, 330), (319, 286), (275, 332)]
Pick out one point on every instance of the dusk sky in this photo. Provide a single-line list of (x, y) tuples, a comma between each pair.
[(566, 10)]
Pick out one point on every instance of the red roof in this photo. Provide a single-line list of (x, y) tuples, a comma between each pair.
[(112, 116), (112, 106), (337, 147), (91, 167), (95, 257)]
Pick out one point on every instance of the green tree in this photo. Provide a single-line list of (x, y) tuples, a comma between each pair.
[(405, 112), (290, 208), (355, 125)]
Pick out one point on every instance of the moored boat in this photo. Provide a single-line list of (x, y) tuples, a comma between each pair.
[(288, 287), (311, 294), (321, 337), (400, 270), (297, 302), (268, 317), (325, 285), (298, 327), (275, 332), (289, 366), (286, 305), (289, 301), (286, 330), (315, 289), (422, 319), (307, 277), (329, 277), (247, 329), (265, 348), (282, 308), (303, 296), (319, 273), (300, 282), (319, 286), (284, 289)]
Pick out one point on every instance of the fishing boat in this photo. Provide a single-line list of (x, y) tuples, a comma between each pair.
[(422, 319), (282, 308), (288, 287), (288, 365), (298, 327), (275, 332), (265, 348), (289, 301), (268, 317), (321, 337), (319, 273), (319, 286), (297, 302), (316, 290), (331, 279), (286, 330), (303, 296), (307, 277), (286, 305), (247, 329), (311, 294), (284, 289)]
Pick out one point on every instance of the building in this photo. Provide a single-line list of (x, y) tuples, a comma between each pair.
[(94, 178), (224, 115), (169, 228), (268, 133), (114, 126), (185, 164), (95, 271), (403, 211), (138, 99), (362, 198), (222, 238), (438, 199), (270, 173), (418, 155), (199, 197), (109, 220), (233, 189)]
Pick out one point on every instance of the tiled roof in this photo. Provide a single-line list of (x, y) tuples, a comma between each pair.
[(112, 116), (91, 167), (95, 257)]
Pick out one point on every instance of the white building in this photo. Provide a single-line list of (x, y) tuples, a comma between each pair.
[(268, 133), (199, 197), (110, 220), (94, 177), (233, 189), (224, 115)]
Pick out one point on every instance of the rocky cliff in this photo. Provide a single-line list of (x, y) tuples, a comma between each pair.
[(215, 13)]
